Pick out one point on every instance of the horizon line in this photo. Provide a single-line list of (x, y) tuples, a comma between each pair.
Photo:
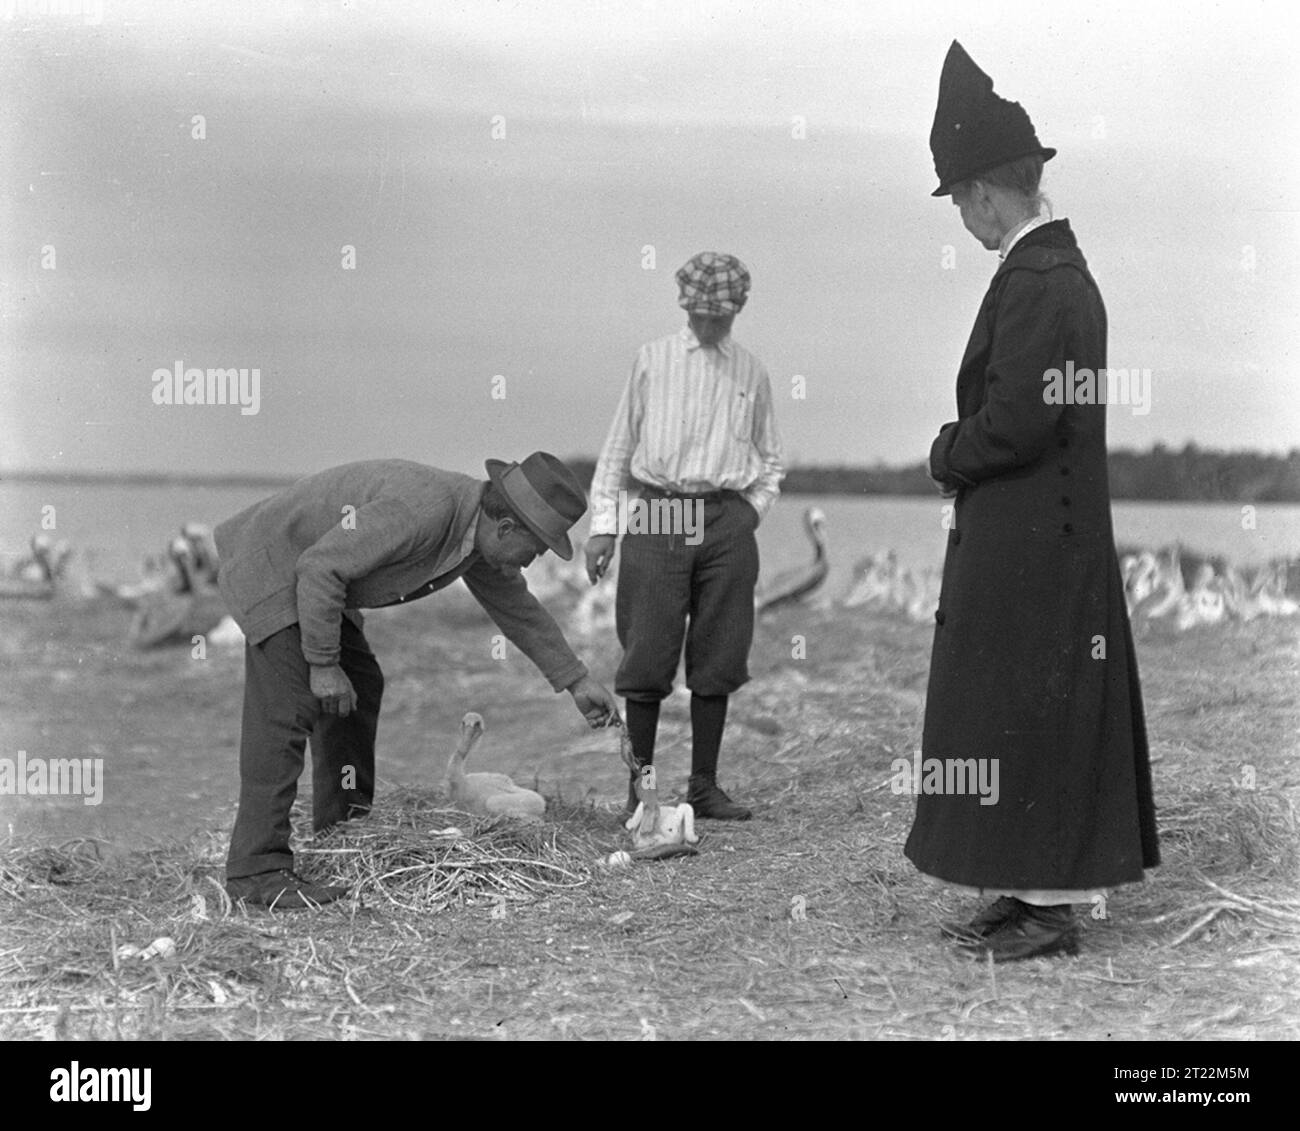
[(274, 479)]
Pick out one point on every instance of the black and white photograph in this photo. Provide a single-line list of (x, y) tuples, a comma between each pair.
[(650, 520)]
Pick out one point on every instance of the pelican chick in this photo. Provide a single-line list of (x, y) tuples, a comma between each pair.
[(658, 831), (491, 795)]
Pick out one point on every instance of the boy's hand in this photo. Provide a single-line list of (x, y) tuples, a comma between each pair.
[(600, 552)]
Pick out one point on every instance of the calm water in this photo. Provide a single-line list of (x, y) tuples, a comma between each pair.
[(112, 527)]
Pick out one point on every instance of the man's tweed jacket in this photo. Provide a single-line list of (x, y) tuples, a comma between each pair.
[(366, 535)]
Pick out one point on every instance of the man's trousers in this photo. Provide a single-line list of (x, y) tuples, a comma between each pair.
[(280, 714)]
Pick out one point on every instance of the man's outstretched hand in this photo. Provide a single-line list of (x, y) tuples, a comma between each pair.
[(596, 704)]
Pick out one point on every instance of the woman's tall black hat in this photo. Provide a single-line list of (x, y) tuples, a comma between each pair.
[(974, 129)]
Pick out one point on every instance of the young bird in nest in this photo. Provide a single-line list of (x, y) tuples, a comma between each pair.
[(492, 795)]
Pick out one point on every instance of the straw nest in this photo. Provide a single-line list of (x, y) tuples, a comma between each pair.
[(415, 855)]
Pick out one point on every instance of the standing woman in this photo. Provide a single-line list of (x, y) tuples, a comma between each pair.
[(1033, 672)]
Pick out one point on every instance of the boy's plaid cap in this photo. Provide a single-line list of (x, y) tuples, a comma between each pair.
[(714, 284)]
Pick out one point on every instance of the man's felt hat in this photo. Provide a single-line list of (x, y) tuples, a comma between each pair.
[(974, 129), (545, 494), (713, 284)]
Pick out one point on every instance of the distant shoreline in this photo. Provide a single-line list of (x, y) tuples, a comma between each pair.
[(1161, 475), (146, 479)]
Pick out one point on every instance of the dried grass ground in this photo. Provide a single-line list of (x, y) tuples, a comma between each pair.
[(806, 922)]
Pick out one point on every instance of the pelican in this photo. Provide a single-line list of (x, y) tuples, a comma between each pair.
[(51, 557), (193, 608), (203, 548), (796, 584), (1270, 591), (1236, 597), (37, 576), (1204, 603), (491, 795), (160, 574), (1166, 587), (877, 577), (658, 831), (1140, 571), (924, 597)]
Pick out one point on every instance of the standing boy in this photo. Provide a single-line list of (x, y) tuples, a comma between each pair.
[(695, 434)]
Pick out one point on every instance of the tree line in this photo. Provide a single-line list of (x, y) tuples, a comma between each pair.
[(1194, 474)]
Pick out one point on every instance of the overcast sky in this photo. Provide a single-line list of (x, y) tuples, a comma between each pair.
[(520, 182)]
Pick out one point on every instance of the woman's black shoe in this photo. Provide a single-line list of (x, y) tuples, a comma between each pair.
[(1036, 933), (998, 913)]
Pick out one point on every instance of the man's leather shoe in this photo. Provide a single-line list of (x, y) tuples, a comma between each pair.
[(999, 912), (282, 890), (708, 800), (1036, 933)]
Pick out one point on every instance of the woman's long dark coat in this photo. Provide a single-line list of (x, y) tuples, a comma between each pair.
[(1033, 660)]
